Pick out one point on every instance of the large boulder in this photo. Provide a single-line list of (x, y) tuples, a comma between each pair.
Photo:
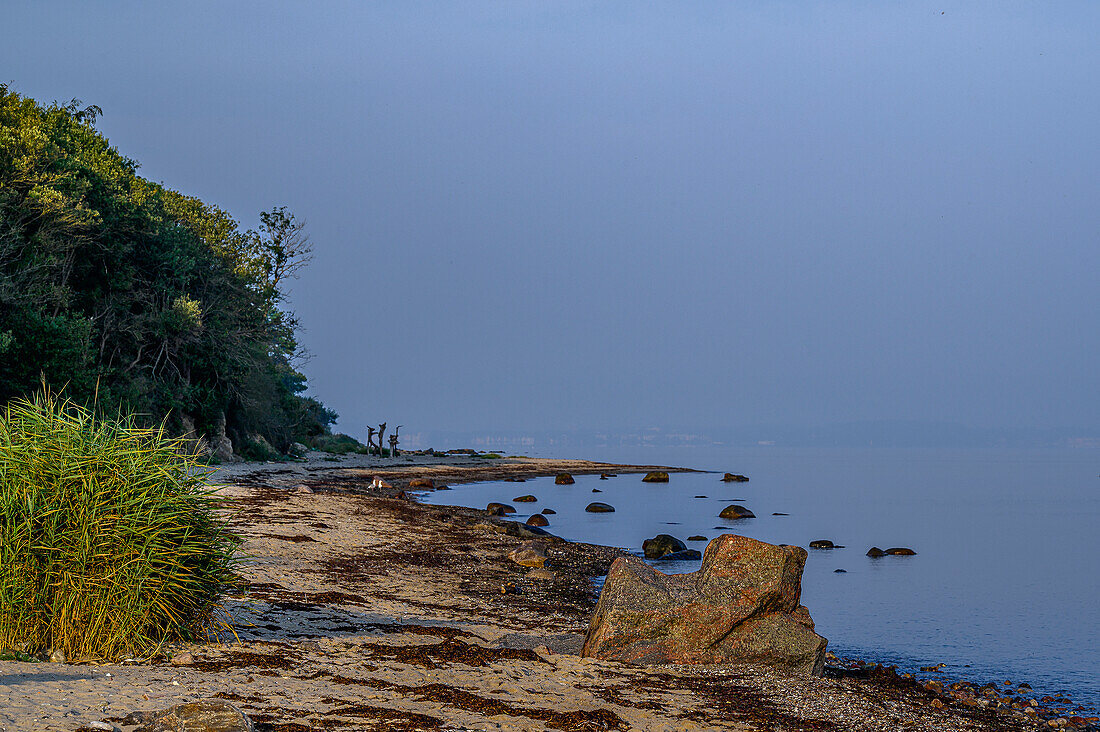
[(741, 606)]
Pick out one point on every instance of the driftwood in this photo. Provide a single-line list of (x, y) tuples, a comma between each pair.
[(371, 447), (381, 437), (393, 441)]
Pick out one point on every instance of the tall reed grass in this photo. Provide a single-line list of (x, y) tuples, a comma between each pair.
[(110, 541)]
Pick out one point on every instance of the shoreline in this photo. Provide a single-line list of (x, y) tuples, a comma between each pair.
[(366, 610)]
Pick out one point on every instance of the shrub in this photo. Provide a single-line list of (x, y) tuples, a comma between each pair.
[(109, 540), (337, 444)]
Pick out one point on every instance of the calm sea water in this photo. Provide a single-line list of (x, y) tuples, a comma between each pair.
[(1005, 585)]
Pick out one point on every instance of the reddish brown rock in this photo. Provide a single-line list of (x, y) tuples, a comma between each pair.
[(741, 606), (538, 520), (422, 483), (564, 479)]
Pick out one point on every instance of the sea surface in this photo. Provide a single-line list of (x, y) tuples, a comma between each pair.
[(1005, 584)]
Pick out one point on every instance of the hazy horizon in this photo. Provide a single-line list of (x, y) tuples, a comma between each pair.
[(582, 216)]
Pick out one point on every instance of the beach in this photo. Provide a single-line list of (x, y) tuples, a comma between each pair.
[(361, 608)]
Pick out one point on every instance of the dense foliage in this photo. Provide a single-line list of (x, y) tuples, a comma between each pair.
[(135, 296), (109, 541)]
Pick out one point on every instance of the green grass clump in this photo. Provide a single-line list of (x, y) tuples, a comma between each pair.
[(109, 540)]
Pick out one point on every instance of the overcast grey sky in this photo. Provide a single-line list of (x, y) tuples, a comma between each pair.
[(615, 215)]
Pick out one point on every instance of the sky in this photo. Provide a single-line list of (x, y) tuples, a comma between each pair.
[(608, 215)]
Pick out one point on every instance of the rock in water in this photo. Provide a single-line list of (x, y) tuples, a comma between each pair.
[(204, 716), (525, 499), (734, 478), (741, 606), (683, 554), (597, 507), (823, 544), (499, 509), (537, 520), (875, 552), (661, 545), (736, 512), (901, 551), (564, 479), (657, 476)]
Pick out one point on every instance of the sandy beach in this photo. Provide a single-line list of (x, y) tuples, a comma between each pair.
[(361, 609)]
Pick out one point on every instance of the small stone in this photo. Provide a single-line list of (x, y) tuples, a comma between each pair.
[(822, 544), (661, 545), (524, 499), (840, 571), (549, 511), (597, 507), (182, 659), (736, 512), (106, 726), (656, 476), (875, 552), (697, 537), (700, 496), (58, 656), (206, 716), (780, 514), (541, 573), (564, 479), (537, 520), (422, 483), (734, 478), (529, 554), (596, 490), (683, 554), (900, 551), (499, 509)]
